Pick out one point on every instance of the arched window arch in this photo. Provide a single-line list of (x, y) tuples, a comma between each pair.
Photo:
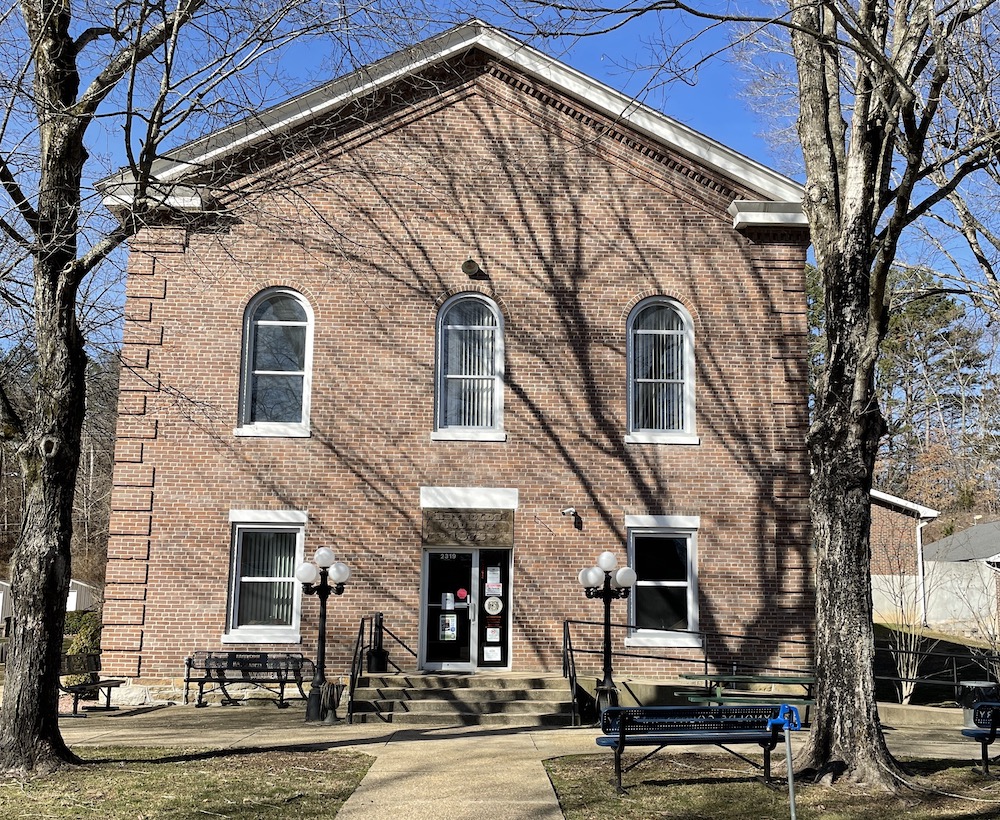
[(660, 352), (277, 362), (470, 369)]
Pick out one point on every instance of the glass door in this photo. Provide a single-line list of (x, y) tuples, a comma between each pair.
[(450, 610)]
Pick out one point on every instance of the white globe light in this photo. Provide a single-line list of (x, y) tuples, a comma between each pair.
[(595, 577), (307, 574), (626, 577), (582, 577), (340, 572), (607, 561), (324, 557)]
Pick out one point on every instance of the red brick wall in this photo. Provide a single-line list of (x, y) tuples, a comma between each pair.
[(893, 542), (372, 226)]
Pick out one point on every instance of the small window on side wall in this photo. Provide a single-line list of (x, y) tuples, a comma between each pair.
[(664, 601), (264, 597), (469, 370), (660, 351), (277, 359)]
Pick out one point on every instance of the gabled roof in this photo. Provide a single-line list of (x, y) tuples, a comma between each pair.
[(894, 502), (978, 543), (783, 196)]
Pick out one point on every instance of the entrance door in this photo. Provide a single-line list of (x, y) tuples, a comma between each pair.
[(450, 633)]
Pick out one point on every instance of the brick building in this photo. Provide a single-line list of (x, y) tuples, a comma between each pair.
[(418, 316)]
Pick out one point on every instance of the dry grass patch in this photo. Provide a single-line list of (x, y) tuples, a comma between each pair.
[(721, 787), (142, 784)]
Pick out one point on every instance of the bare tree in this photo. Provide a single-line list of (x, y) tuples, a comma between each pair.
[(898, 115), (88, 87)]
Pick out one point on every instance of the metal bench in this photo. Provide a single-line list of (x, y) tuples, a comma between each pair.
[(89, 665), (260, 669), (986, 716), (662, 726)]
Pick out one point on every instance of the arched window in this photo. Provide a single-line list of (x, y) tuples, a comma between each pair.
[(470, 364), (660, 374), (277, 357)]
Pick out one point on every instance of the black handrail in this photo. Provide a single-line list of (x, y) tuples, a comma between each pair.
[(978, 663), (374, 626), (569, 671), (356, 660)]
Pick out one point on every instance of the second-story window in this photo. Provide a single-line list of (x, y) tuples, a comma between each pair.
[(277, 353), (470, 363)]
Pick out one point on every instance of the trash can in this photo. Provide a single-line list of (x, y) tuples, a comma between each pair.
[(973, 692)]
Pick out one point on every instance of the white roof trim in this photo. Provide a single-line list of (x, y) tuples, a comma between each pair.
[(313, 104), (758, 214), (919, 510)]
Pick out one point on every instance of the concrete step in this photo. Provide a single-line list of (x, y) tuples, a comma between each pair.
[(448, 699)]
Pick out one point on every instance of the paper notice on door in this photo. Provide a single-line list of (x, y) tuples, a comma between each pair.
[(491, 654), (493, 575), (493, 635), (449, 628), (494, 589)]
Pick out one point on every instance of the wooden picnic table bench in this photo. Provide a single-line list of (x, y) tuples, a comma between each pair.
[(720, 688), (89, 665), (662, 726), (986, 716), (219, 669)]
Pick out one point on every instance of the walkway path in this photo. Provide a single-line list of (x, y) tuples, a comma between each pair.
[(427, 773)]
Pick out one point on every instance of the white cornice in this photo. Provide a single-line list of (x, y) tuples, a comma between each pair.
[(314, 104)]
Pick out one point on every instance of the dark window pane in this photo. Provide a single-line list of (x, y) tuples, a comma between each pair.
[(281, 307), (276, 398), (658, 317), (470, 312), (265, 603), (659, 406), (661, 558), (268, 554), (279, 347), (661, 607)]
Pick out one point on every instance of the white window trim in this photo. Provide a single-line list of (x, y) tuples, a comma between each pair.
[(685, 525), (455, 433), (689, 434), (274, 429), (470, 498), (468, 434), (257, 519)]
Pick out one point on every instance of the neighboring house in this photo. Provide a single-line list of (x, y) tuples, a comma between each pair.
[(418, 314), (961, 572), (899, 590), (81, 596)]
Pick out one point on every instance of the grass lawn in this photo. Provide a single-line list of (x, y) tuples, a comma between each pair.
[(722, 787), (142, 784)]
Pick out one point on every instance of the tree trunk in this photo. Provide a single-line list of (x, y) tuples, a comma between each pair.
[(49, 439)]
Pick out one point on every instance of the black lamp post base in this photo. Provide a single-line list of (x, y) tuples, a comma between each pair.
[(315, 711), (607, 696)]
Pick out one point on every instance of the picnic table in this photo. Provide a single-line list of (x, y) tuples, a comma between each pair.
[(716, 684)]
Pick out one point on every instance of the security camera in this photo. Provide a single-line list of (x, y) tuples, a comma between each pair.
[(569, 511)]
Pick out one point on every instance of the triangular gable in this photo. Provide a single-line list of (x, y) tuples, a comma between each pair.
[(781, 197)]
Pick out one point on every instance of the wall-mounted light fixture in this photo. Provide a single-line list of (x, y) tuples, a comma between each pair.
[(470, 267)]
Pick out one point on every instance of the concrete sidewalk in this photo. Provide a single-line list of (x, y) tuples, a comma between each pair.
[(459, 772)]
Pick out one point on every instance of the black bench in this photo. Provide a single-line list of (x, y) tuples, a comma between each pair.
[(986, 716), (256, 668), (90, 666), (662, 726)]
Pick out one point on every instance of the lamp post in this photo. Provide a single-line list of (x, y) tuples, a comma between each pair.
[(324, 569), (604, 582)]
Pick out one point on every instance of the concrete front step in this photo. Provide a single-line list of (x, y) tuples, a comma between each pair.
[(451, 699)]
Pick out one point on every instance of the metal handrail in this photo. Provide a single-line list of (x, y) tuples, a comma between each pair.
[(356, 663), (949, 674), (569, 671)]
